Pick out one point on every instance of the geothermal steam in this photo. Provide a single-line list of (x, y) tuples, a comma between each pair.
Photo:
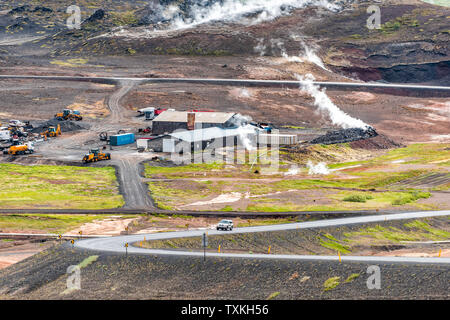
[(320, 168), (203, 11), (325, 105)]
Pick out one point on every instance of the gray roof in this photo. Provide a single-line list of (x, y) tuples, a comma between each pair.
[(213, 133), (204, 117)]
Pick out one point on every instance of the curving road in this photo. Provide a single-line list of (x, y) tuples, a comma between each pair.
[(116, 244)]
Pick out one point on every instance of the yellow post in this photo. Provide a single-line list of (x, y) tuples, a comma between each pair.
[(218, 249), (144, 238), (268, 251), (339, 253), (440, 252)]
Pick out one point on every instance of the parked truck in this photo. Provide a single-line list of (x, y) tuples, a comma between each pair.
[(20, 149)]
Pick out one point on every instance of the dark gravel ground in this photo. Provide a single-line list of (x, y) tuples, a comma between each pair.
[(114, 276)]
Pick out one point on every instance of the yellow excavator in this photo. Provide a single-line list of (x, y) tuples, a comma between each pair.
[(68, 114), (51, 132), (95, 155)]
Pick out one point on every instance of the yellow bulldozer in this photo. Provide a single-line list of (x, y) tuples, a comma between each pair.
[(95, 155), (68, 114), (51, 132), (20, 150)]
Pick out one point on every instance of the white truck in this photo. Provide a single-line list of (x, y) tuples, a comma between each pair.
[(226, 225), (5, 135)]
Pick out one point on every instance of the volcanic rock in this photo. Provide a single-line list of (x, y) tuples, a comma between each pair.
[(345, 135)]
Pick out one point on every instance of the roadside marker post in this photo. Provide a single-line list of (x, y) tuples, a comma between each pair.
[(126, 249), (218, 250), (72, 242), (268, 250), (60, 238), (205, 244), (81, 234), (126, 229), (339, 253), (440, 252)]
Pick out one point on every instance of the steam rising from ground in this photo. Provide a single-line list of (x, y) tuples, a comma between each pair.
[(320, 168), (308, 55), (325, 105), (241, 11)]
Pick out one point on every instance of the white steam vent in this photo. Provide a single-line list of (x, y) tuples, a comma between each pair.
[(320, 168), (204, 11), (325, 105)]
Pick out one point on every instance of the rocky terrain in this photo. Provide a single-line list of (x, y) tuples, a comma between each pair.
[(113, 276), (410, 46)]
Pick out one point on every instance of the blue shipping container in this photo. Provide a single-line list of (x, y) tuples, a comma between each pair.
[(122, 139)]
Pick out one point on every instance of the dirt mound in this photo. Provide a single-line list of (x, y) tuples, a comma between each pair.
[(345, 135), (376, 143), (66, 126)]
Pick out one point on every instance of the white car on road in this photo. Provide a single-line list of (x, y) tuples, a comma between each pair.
[(225, 225)]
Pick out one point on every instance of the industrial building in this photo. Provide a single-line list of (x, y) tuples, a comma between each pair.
[(200, 139), (169, 121)]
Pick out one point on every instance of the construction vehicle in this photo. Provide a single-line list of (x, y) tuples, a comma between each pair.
[(145, 131), (151, 112), (20, 149), (95, 155), (51, 132), (68, 114)]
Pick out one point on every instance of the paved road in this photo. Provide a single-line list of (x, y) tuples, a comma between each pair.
[(116, 244), (234, 82)]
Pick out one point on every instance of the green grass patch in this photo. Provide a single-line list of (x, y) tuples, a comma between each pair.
[(63, 187), (49, 223), (417, 230), (352, 277), (357, 198), (331, 283), (273, 295), (411, 197), (191, 168), (333, 244), (86, 262)]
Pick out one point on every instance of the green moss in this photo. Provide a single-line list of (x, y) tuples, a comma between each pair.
[(411, 197), (86, 262), (358, 198), (352, 277), (334, 246), (273, 295), (331, 283), (124, 18)]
